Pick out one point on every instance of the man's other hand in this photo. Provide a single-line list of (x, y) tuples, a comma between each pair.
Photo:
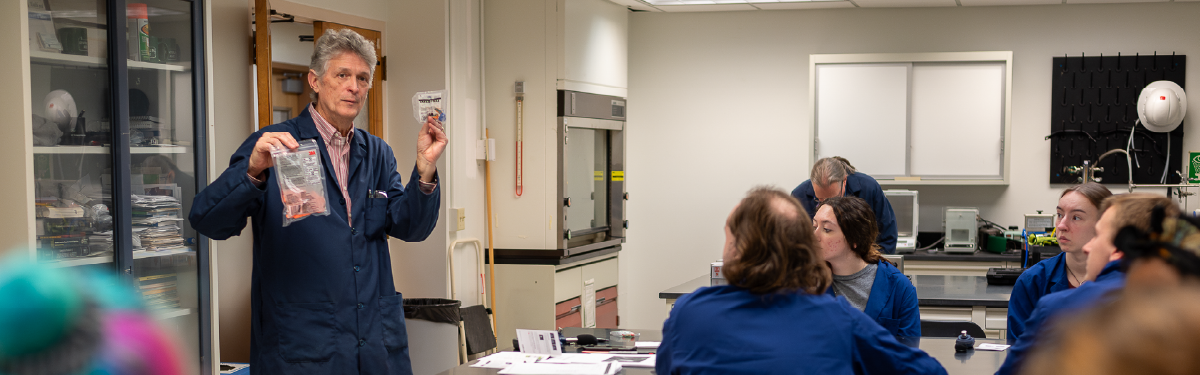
[(431, 141)]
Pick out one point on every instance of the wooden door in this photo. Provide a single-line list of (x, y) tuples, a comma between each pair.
[(262, 60), (374, 95)]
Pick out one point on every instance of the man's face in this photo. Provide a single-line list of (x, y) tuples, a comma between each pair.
[(1100, 250), (829, 191), (343, 89)]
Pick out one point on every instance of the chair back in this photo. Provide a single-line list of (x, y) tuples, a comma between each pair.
[(950, 328)]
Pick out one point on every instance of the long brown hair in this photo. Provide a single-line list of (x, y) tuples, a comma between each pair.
[(857, 221), (776, 247)]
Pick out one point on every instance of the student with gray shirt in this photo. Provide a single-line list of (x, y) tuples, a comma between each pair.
[(845, 229)]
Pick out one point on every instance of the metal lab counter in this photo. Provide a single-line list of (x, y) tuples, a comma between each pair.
[(932, 291), (940, 348), (940, 297), (936, 262)]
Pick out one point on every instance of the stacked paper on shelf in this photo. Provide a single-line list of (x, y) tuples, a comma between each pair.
[(158, 291), (156, 223)]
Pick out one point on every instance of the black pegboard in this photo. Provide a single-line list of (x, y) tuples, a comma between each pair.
[(1094, 106)]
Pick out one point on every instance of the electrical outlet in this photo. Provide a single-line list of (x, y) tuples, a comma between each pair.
[(461, 214)]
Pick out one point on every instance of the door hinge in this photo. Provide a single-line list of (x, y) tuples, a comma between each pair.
[(253, 52), (382, 68)]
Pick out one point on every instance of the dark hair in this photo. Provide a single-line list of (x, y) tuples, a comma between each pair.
[(831, 170), (1137, 210), (1094, 192), (857, 221), (776, 247)]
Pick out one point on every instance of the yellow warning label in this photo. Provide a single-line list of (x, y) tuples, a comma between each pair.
[(598, 176), (618, 175)]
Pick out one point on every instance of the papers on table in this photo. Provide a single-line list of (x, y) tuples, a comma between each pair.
[(562, 369), (505, 359), (567, 363), (647, 344), (626, 360), (992, 347), (540, 342)]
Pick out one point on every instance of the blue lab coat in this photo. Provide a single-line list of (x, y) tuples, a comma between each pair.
[(1063, 305), (1045, 277), (863, 186), (893, 302), (728, 330), (321, 292)]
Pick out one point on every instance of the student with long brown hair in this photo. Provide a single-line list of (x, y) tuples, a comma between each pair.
[(845, 230), (1077, 212), (774, 316)]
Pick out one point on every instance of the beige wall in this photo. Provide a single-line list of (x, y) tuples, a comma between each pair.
[(16, 224), (718, 104), (230, 122)]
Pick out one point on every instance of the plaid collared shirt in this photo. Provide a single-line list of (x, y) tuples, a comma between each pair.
[(339, 153)]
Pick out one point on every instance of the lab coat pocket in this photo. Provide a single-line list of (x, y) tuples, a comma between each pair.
[(395, 336), (306, 331), (376, 223), (891, 325)]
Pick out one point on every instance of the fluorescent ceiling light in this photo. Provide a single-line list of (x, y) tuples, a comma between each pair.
[(710, 2)]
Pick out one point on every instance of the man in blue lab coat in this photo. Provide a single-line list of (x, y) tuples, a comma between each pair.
[(835, 177), (322, 296), (1105, 278)]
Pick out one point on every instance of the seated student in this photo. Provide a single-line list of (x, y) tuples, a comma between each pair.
[(774, 316), (845, 230), (1153, 326), (1105, 277), (1078, 210)]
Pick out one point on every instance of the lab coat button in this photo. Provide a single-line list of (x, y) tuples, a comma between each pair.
[(354, 231), (343, 201), (362, 343), (360, 306), (357, 268)]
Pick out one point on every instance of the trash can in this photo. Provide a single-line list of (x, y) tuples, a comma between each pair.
[(432, 325)]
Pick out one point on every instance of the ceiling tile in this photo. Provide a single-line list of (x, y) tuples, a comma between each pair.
[(705, 8), (635, 5), (904, 3), (1114, 1), (806, 5), (971, 3)]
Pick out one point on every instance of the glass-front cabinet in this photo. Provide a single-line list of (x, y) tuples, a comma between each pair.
[(116, 90)]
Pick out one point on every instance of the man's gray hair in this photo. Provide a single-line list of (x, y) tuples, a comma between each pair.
[(831, 170), (339, 41)]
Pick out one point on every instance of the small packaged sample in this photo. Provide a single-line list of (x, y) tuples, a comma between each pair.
[(301, 181), (429, 104)]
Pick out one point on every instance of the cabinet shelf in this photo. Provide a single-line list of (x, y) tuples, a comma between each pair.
[(75, 150), (164, 314), (75, 262), (141, 254), (42, 57)]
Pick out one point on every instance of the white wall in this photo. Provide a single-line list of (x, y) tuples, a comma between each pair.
[(718, 104), (16, 225), (286, 46)]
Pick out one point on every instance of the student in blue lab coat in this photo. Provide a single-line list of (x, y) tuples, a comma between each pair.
[(1105, 277), (774, 317), (1077, 212), (845, 230), (1152, 328), (322, 296), (835, 177)]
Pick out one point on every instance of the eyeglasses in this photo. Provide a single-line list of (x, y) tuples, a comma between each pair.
[(841, 193)]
